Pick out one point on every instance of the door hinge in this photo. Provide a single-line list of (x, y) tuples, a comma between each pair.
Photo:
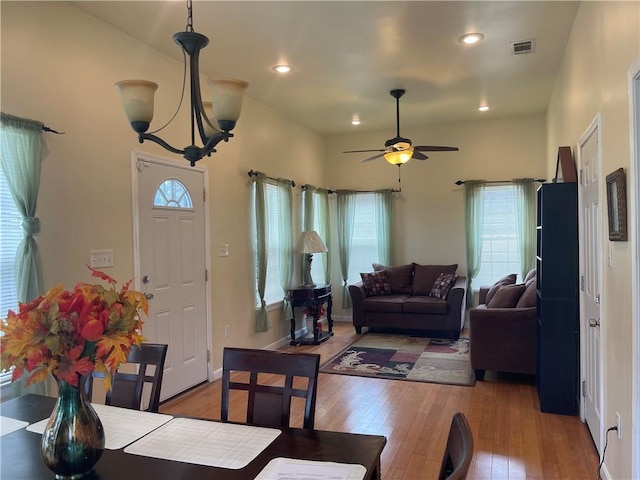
[(204, 195), (584, 388), (582, 282), (581, 183), (206, 275), (208, 356), (597, 299)]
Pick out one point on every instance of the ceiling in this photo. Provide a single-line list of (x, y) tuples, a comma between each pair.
[(348, 55)]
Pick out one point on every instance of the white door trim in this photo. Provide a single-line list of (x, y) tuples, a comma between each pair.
[(596, 123), (147, 157), (634, 239)]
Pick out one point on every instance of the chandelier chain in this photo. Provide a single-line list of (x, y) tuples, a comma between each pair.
[(189, 17)]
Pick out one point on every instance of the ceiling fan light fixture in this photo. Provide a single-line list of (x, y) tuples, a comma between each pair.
[(470, 38), (400, 157)]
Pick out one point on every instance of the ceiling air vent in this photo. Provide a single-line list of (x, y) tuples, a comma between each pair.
[(523, 46)]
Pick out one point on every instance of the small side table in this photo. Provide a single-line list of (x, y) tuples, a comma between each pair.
[(312, 298)]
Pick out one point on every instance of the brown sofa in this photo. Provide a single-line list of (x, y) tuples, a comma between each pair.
[(502, 330), (409, 303)]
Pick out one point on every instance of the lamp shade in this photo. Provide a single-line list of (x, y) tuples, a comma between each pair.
[(137, 100), (227, 95), (310, 242), (208, 111), (400, 157)]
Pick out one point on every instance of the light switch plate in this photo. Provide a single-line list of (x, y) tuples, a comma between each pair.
[(101, 258), (223, 250)]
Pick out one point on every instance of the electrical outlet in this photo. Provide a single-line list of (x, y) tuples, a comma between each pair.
[(223, 250), (619, 432), (227, 331)]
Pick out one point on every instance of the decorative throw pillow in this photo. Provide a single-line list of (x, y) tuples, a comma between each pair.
[(424, 276), (532, 274), (399, 277), (506, 280), (507, 296), (376, 283), (443, 285), (528, 298)]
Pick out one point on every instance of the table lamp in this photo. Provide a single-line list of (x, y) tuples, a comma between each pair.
[(310, 243)]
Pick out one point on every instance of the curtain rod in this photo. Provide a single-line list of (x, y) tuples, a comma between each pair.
[(253, 173), (48, 129), (305, 186), (462, 182)]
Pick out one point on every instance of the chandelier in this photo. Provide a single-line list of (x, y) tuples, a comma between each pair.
[(213, 120)]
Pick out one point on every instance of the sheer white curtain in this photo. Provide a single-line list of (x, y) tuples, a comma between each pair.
[(474, 223)]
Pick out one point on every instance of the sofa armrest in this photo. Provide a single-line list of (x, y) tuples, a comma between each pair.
[(482, 295), (503, 339), (457, 303), (358, 295)]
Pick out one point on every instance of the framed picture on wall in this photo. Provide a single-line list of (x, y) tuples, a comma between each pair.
[(617, 205)]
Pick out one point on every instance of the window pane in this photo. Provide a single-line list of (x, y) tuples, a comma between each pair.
[(317, 268), (500, 255), (273, 291), (10, 237), (172, 194), (364, 247)]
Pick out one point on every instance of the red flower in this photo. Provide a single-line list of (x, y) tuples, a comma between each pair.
[(92, 330)]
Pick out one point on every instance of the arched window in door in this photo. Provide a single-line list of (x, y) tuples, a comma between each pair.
[(172, 194)]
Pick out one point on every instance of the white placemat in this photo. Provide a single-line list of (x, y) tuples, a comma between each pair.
[(8, 425), (121, 425), (294, 469), (203, 442)]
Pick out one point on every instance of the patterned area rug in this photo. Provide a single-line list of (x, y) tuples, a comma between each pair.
[(402, 357)]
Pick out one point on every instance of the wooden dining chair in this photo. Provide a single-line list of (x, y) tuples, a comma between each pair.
[(127, 388), (267, 404), (459, 450)]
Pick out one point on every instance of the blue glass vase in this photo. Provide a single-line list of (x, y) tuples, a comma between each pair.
[(73, 440)]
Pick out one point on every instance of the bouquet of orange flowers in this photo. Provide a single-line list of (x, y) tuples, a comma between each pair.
[(71, 333)]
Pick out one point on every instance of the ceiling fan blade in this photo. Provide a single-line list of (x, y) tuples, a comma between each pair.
[(418, 156), (365, 151), (373, 158), (435, 148)]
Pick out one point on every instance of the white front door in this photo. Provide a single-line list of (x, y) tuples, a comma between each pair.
[(590, 255), (171, 261)]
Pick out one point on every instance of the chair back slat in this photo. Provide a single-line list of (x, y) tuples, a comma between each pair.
[(127, 388), (270, 405)]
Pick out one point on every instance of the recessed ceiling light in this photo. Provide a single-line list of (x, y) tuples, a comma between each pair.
[(471, 38), (282, 68), (483, 108), (355, 120)]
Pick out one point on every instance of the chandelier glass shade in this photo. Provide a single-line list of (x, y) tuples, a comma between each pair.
[(213, 119)]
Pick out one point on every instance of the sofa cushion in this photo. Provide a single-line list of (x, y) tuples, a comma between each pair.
[(376, 283), (443, 284), (400, 277), (532, 274), (528, 298), (384, 303), (424, 276), (506, 280), (507, 296), (425, 304)]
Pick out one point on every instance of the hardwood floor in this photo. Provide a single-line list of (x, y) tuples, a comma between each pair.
[(512, 438)]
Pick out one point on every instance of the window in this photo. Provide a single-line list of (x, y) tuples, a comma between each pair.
[(500, 255), (317, 265), (273, 290), (10, 236), (172, 194), (364, 244)]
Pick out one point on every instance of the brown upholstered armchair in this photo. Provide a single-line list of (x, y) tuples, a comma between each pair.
[(502, 339)]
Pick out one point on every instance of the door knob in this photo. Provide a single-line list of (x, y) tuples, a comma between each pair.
[(593, 322), (148, 296)]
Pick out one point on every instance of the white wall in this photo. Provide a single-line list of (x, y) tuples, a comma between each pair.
[(59, 66), (604, 42)]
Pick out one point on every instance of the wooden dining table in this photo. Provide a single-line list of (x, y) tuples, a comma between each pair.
[(20, 451)]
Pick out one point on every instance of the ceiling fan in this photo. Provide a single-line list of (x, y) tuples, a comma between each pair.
[(399, 150)]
